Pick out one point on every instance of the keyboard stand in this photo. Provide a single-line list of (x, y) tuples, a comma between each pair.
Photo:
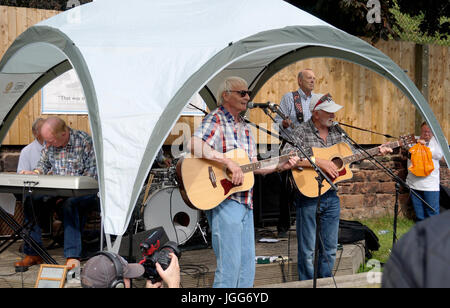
[(23, 232)]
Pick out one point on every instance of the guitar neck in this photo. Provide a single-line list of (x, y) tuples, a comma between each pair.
[(373, 152), (265, 163)]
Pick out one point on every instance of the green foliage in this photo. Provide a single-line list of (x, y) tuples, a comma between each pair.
[(59, 5), (410, 28)]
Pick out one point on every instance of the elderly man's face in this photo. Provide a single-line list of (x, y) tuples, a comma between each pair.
[(56, 140), (236, 99), (426, 133), (308, 81), (324, 118)]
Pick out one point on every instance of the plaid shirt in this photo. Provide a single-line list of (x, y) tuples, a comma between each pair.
[(220, 131), (307, 135), (76, 158)]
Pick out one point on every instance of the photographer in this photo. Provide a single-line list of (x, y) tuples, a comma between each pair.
[(110, 270)]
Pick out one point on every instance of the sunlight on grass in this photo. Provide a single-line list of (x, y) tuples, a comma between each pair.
[(383, 229)]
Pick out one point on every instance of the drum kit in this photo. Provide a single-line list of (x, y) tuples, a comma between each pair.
[(160, 205)]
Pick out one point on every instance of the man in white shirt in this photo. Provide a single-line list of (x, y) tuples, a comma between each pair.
[(427, 187), (30, 155)]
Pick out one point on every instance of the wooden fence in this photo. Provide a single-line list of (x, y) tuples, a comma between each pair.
[(369, 100)]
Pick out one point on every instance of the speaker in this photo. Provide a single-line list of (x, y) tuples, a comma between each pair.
[(272, 202), (134, 254)]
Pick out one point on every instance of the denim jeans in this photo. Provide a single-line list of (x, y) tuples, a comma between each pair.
[(36, 207), (233, 242), (421, 209), (74, 210), (306, 234)]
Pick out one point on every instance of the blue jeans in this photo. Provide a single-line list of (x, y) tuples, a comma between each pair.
[(306, 234), (35, 207), (233, 241), (75, 208), (421, 209)]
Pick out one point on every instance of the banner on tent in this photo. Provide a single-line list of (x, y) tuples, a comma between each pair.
[(64, 95)]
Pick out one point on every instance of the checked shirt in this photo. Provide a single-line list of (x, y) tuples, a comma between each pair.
[(220, 131), (76, 158), (307, 135)]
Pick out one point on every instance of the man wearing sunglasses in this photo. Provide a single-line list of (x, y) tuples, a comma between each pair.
[(231, 222)]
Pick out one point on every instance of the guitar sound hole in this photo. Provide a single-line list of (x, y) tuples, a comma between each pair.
[(338, 162)]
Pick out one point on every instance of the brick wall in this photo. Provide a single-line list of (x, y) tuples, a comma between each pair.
[(9, 158), (371, 192)]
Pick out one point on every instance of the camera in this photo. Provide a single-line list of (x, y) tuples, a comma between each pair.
[(153, 252)]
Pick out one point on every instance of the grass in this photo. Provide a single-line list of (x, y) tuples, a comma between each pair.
[(384, 224)]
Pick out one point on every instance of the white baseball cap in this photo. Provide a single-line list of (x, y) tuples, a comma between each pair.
[(324, 102)]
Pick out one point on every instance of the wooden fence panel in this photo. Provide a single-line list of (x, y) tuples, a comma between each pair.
[(370, 101)]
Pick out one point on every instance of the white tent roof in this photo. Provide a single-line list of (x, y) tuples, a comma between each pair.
[(140, 62)]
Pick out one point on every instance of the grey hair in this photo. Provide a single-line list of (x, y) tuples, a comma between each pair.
[(227, 85), (34, 126)]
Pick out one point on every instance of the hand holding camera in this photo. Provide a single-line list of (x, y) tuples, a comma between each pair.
[(160, 261), (171, 275)]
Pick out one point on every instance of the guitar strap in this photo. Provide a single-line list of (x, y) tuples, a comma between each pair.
[(298, 106)]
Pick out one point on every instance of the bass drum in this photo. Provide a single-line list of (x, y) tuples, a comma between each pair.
[(165, 208)]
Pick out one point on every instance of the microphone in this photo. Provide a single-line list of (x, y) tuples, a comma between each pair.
[(269, 105), (339, 128), (273, 107)]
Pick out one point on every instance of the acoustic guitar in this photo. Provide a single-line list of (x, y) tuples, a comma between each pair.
[(204, 184), (342, 156)]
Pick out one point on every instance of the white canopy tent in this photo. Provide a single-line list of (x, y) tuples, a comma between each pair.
[(140, 62)]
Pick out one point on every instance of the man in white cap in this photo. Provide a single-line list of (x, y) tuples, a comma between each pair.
[(319, 132)]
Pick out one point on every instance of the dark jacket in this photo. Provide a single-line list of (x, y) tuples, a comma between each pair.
[(421, 258)]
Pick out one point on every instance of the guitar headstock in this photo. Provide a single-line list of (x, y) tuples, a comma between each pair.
[(407, 141)]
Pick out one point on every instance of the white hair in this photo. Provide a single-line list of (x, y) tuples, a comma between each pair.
[(227, 85)]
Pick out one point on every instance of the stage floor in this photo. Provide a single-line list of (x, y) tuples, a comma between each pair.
[(198, 262)]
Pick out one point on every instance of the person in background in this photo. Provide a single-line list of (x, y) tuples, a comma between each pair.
[(427, 187), (30, 155), (295, 106), (69, 152)]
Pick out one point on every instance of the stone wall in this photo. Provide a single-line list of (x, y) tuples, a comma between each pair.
[(9, 158), (371, 192)]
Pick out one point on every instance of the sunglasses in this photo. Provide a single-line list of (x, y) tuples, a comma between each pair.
[(243, 93)]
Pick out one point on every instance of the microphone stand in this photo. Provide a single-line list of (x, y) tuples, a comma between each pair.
[(321, 176), (398, 181), (366, 130)]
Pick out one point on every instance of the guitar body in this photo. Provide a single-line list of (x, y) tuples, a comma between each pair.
[(204, 184), (305, 179)]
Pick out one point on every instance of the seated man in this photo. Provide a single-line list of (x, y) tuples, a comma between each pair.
[(68, 152)]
